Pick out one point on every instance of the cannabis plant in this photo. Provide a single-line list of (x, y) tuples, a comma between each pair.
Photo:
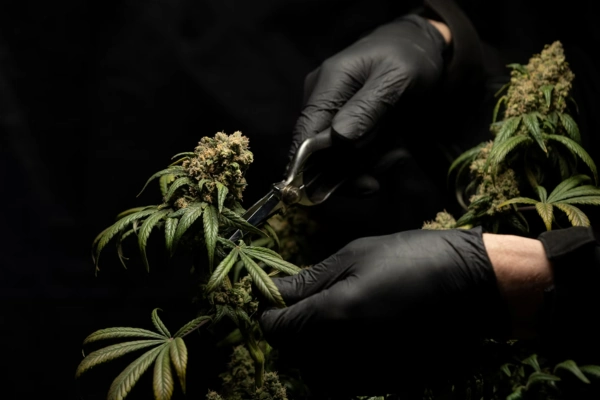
[(201, 208), (536, 149), (535, 160)]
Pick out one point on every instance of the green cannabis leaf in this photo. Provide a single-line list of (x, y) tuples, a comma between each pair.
[(248, 255), (571, 366), (563, 197), (168, 353)]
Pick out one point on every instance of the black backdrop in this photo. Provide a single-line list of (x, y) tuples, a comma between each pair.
[(96, 96), (93, 94)]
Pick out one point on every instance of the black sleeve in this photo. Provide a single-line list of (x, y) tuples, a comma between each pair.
[(567, 324), (465, 56)]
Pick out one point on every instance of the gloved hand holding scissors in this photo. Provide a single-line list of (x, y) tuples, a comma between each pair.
[(414, 305), (352, 90)]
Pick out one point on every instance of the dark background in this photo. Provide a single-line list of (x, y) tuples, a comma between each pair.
[(97, 96)]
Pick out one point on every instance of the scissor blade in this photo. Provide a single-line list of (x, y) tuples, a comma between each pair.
[(259, 213)]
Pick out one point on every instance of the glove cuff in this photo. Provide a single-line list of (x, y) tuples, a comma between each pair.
[(427, 28), (566, 323)]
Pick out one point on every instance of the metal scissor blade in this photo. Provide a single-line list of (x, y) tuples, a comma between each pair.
[(260, 212)]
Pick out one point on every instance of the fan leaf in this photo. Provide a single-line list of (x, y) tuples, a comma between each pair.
[(497, 108), (175, 171), (222, 191), (125, 213), (547, 91), (590, 200), (575, 215), (120, 238), (164, 182), (203, 182), (531, 122), (567, 185), (539, 377), (591, 370), (185, 154), (145, 231), (577, 150), (163, 377), (226, 242), (240, 223), (508, 128), (570, 126), (272, 259), (465, 157), (516, 395), (123, 383), (179, 358), (117, 227), (179, 182), (518, 200), (542, 193), (158, 324), (262, 281), (271, 232), (466, 219), (170, 228), (572, 367), (545, 211), (192, 325), (120, 333), (500, 151), (585, 190), (533, 361), (211, 230), (192, 213), (216, 279), (112, 352)]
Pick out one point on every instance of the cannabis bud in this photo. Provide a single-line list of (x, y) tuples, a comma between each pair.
[(495, 187), (223, 159), (547, 71), (239, 296), (443, 220)]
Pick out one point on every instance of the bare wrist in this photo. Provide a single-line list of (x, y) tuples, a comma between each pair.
[(443, 29), (523, 272)]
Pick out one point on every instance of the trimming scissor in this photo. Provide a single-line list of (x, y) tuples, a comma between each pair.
[(306, 183)]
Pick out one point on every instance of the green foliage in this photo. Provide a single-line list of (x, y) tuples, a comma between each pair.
[(533, 162), (201, 194), (536, 146), (567, 193), (530, 380), (168, 354)]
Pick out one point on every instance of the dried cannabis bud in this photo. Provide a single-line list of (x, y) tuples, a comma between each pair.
[(494, 188), (238, 381), (237, 302), (443, 220), (272, 389), (224, 159), (528, 85)]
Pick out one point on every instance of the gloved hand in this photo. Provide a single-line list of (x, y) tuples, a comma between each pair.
[(352, 90), (386, 312)]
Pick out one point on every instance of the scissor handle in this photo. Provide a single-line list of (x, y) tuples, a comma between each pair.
[(318, 142)]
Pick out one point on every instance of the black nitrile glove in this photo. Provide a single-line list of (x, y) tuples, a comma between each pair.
[(568, 326), (388, 312), (352, 90)]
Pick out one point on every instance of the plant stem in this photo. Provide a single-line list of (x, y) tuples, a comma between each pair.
[(257, 355)]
